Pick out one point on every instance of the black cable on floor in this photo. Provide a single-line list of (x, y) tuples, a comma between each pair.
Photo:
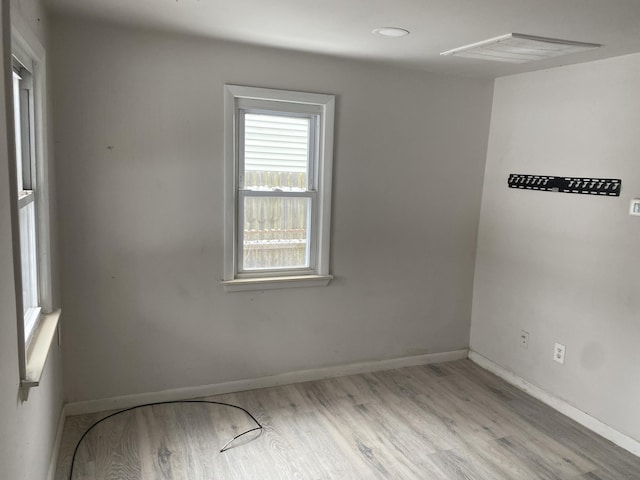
[(223, 449)]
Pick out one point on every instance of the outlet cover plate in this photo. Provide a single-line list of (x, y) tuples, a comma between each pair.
[(524, 339), (558, 353)]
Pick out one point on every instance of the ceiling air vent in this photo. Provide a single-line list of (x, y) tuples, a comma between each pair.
[(519, 48)]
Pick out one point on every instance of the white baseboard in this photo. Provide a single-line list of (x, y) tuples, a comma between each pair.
[(560, 405), (53, 462), (115, 403)]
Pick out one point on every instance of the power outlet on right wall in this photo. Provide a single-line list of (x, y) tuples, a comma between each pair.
[(559, 352)]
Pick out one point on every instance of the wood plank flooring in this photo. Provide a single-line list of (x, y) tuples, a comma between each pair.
[(447, 421)]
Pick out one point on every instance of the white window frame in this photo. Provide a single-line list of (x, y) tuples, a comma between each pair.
[(34, 348), (27, 187), (320, 108)]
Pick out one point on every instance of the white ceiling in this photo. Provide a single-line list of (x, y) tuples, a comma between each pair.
[(343, 27)]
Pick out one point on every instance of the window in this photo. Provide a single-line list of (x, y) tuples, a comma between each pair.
[(26, 190), (278, 154), (37, 322)]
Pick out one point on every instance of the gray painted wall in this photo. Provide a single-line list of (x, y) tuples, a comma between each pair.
[(28, 429), (565, 267), (139, 143)]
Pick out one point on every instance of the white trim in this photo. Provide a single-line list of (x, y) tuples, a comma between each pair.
[(29, 49), (270, 94), (230, 192), (53, 461), (325, 181), (271, 283), (92, 406), (26, 46), (320, 104), (39, 348), (558, 404)]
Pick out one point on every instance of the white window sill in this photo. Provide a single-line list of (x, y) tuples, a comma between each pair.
[(245, 284), (39, 348)]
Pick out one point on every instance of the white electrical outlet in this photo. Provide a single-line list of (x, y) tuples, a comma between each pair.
[(634, 208), (524, 339), (558, 353)]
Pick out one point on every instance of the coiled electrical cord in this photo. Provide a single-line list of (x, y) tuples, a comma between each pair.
[(223, 449)]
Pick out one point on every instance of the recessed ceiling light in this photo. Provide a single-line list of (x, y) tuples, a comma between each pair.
[(519, 48), (391, 32)]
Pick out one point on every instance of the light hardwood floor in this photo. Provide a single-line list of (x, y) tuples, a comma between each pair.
[(447, 421)]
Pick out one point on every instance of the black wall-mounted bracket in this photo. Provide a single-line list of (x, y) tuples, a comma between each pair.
[(609, 187)]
